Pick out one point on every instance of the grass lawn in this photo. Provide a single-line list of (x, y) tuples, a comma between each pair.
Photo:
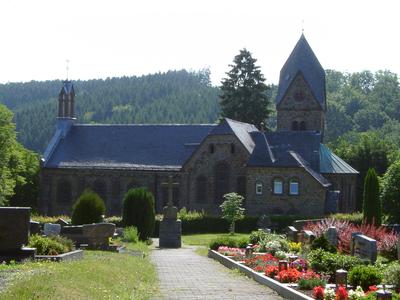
[(204, 239), (99, 275)]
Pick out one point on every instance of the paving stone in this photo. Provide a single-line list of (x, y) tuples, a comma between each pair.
[(183, 274)]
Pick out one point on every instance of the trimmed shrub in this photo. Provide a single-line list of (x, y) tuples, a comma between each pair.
[(223, 241), (257, 236), (328, 263), (309, 284), (130, 235), (138, 211), (50, 245), (365, 276), (392, 275), (115, 220), (321, 242), (89, 208), (372, 205)]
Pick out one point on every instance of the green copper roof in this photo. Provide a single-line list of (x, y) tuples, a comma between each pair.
[(331, 163)]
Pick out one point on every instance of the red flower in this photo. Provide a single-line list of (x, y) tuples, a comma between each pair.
[(341, 293), (289, 275), (371, 289), (318, 293), (271, 271)]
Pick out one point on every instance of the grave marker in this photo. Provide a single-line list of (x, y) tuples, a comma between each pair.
[(51, 229), (332, 236), (292, 234), (364, 247)]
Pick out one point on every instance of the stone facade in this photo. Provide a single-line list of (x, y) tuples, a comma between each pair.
[(309, 200), (346, 184), (299, 110)]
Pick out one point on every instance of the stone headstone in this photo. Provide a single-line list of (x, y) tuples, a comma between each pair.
[(51, 229), (98, 235), (170, 233), (332, 236), (14, 233), (62, 222), (308, 236), (292, 234), (34, 227), (264, 222), (14, 227), (364, 247), (170, 213)]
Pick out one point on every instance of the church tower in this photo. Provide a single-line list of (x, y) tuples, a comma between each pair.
[(66, 100), (301, 98)]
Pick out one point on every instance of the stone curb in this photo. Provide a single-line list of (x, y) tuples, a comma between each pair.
[(280, 288), (73, 255)]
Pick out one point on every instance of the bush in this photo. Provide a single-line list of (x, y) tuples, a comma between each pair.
[(321, 242), (309, 284), (130, 235), (392, 275), (138, 211), (50, 245), (223, 241), (326, 262), (391, 192), (372, 205), (47, 219), (115, 220), (365, 276), (89, 208), (354, 218), (257, 236)]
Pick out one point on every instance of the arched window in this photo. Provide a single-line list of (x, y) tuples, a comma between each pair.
[(259, 188), (211, 148), (295, 125), (201, 189), (294, 187), (278, 186), (302, 125), (64, 192), (232, 148), (221, 181), (100, 187)]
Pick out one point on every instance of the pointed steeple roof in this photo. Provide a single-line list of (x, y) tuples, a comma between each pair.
[(67, 88), (302, 59)]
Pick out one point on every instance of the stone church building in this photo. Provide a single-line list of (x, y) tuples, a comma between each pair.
[(289, 171)]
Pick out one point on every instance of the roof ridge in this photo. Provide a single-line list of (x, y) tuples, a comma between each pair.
[(106, 125)]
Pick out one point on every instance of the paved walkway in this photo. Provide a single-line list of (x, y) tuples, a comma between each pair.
[(183, 274)]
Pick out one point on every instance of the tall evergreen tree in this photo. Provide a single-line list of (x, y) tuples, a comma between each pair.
[(245, 97), (372, 206)]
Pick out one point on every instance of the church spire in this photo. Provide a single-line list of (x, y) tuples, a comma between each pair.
[(66, 99)]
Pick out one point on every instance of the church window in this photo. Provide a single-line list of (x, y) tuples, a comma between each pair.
[(302, 125), (278, 186), (294, 187), (201, 189), (232, 148), (259, 188), (211, 148), (295, 125), (64, 192), (221, 181), (299, 96)]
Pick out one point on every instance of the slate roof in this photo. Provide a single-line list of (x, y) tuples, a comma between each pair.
[(240, 129), (302, 59), (127, 146), (331, 163), (68, 87)]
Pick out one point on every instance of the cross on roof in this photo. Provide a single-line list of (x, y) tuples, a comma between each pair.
[(170, 185)]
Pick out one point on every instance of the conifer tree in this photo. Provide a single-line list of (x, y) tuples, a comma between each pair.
[(372, 206), (245, 97)]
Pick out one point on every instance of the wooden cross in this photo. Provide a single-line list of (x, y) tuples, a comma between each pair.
[(170, 185)]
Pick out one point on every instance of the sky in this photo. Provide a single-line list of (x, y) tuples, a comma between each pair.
[(123, 38)]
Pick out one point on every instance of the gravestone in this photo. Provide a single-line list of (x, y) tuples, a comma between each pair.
[(363, 247), (62, 222), (308, 236), (34, 227), (170, 227), (332, 236), (292, 234), (98, 235), (51, 229), (264, 223), (14, 233)]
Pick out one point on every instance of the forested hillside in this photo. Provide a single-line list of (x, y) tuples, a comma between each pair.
[(357, 102), (172, 97)]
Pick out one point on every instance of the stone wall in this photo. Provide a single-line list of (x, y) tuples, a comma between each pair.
[(204, 171), (309, 202), (60, 188), (299, 104), (346, 184)]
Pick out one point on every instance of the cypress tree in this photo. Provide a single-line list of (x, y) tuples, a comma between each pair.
[(372, 206)]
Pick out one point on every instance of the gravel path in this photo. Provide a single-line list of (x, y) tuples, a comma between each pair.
[(183, 274)]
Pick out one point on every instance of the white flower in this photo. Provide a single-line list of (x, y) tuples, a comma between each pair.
[(329, 294), (357, 294)]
